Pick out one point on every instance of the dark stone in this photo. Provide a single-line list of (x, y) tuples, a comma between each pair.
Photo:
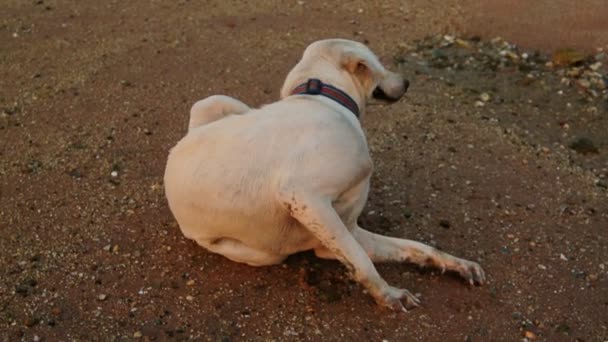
[(75, 173), (31, 321), (22, 290), (584, 145), (31, 282)]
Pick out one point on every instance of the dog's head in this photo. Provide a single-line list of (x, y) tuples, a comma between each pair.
[(350, 66)]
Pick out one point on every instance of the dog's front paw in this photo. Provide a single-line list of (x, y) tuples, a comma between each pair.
[(471, 272), (393, 297)]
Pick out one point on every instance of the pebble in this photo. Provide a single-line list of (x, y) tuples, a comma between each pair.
[(138, 334), (542, 267), (30, 322), (189, 298), (574, 72), (530, 335), (114, 174), (563, 257), (102, 297), (190, 282), (584, 145), (566, 57), (444, 224), (595, 66), (584, 83), (22, 290), (479, 104), (485, 97)]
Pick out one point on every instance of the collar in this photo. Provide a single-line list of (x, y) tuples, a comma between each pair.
[(314, 86)]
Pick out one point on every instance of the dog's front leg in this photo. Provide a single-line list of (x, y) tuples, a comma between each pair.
[(317, 215)]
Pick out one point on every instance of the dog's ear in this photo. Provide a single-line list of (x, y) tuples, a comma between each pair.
[(353, 63), (365, 68)]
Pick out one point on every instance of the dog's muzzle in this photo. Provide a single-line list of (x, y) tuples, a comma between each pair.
[(391, 94)]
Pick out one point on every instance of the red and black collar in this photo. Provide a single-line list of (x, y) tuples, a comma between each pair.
[(314, 86)]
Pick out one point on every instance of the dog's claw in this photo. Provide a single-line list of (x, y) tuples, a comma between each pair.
[(393, 299), (472, 272)]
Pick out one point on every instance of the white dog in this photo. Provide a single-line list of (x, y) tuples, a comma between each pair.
[(256, 185)]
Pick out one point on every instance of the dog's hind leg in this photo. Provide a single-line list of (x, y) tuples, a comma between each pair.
[(383, 248), (214, 108), (239, 252)]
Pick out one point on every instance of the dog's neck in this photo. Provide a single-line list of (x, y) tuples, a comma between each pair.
[(314, 86), (328, 74)]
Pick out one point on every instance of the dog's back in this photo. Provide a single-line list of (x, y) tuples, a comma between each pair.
[(222, 178)]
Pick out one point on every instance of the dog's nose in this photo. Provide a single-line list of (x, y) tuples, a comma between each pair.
[(406, 84)]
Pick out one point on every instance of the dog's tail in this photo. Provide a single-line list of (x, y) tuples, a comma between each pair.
[(214, 108)]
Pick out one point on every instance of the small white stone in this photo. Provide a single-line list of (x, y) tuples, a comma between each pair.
[(189, 298), (595, 66), (563, 257), (485, 97), (542, 267), (584, 83), (114, 174)]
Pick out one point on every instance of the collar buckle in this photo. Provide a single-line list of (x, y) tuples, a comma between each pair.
[(314, 86)]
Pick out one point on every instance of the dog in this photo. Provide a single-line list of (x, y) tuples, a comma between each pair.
[(257, 185)]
